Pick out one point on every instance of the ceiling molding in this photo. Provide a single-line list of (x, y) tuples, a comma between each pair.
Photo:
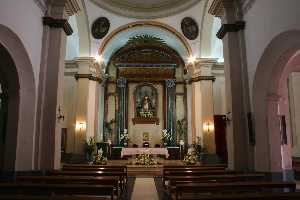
[(146, 9)]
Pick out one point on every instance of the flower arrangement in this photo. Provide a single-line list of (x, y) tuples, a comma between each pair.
[(197, 146), (90, 147), (124, 137), (99, 159), (190, 159), (166, 137), (145, 159)]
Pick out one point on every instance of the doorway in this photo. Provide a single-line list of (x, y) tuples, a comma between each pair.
[(220, 137)]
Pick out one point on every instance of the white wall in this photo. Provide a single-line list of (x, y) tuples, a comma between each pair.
[(25, 19), (116, 21), (264, 21)]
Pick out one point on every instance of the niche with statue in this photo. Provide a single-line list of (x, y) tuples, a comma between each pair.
[(145, 101)]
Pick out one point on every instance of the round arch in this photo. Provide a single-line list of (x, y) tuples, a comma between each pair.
[(266, 96), (19, 145), (108, 46)]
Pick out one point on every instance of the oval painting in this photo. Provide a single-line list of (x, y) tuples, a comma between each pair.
[(189, 28), (100, 27)]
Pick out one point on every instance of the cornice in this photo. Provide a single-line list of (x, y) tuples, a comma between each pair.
[(41, 4), (217, 7), (227, 28), (247, 5), (58, 23), (72, 7), (88, 76), (202, 78)]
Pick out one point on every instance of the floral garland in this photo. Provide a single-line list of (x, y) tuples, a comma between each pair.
[(144, 159)]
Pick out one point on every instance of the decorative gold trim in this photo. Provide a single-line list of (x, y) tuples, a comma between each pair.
[(145, 23), (137, 120)]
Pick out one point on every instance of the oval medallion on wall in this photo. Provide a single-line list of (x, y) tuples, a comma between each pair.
[(189, 28), (100, 27)]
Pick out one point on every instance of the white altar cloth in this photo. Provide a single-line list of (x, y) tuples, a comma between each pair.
[(152, 151)]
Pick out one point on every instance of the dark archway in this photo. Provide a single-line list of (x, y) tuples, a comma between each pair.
[(9, 108), (16, 75)]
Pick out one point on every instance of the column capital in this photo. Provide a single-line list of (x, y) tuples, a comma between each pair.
[(170, 83), (121, 82), (202, 67), (84, 67)]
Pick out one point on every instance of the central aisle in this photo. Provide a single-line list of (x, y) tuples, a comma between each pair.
[(144, 188)]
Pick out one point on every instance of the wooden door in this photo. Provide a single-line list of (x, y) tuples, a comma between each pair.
[(220, 136)]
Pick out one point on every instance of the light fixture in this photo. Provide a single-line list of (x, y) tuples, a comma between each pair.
[(80, 126), (192, 59), (208, 127)]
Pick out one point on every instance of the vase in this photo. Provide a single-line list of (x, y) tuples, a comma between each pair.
[(125, 144), (165, 144)]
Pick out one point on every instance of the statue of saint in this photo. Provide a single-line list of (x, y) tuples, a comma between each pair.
[(146, 104)]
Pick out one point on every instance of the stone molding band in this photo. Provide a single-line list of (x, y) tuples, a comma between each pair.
[(58, 23), (227, 28), (88, 76), (203, 78)]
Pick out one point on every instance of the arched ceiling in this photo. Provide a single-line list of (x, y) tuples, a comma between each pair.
[(148, 9)]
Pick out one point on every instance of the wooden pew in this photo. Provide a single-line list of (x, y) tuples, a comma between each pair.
[(99, 180), (198, 188), (248, 196), (173, 180), (56, 189), (104, 168), (122, 175), (63, 197), (184, 171)]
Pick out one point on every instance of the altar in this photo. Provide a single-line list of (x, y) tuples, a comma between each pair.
[(151, 151)]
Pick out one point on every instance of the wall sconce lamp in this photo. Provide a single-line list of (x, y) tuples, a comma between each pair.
[(208, 127), (80, 126)]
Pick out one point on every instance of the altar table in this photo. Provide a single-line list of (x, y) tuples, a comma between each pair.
[(151, 151)]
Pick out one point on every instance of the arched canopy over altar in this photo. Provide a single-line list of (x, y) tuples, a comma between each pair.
[(145, 92)]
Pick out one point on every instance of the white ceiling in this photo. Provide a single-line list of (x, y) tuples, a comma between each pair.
[(145, 9)]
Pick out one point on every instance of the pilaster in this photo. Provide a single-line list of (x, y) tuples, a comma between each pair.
[(48, 128), (202, 102), (87, 99), (235, 83)]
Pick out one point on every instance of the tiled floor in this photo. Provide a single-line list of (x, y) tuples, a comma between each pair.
[(144, 189)]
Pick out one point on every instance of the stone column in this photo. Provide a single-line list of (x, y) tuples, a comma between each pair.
[(122, 87), (237, 131), (88, 79), (202, 84), (189, 112), (170, 94)]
